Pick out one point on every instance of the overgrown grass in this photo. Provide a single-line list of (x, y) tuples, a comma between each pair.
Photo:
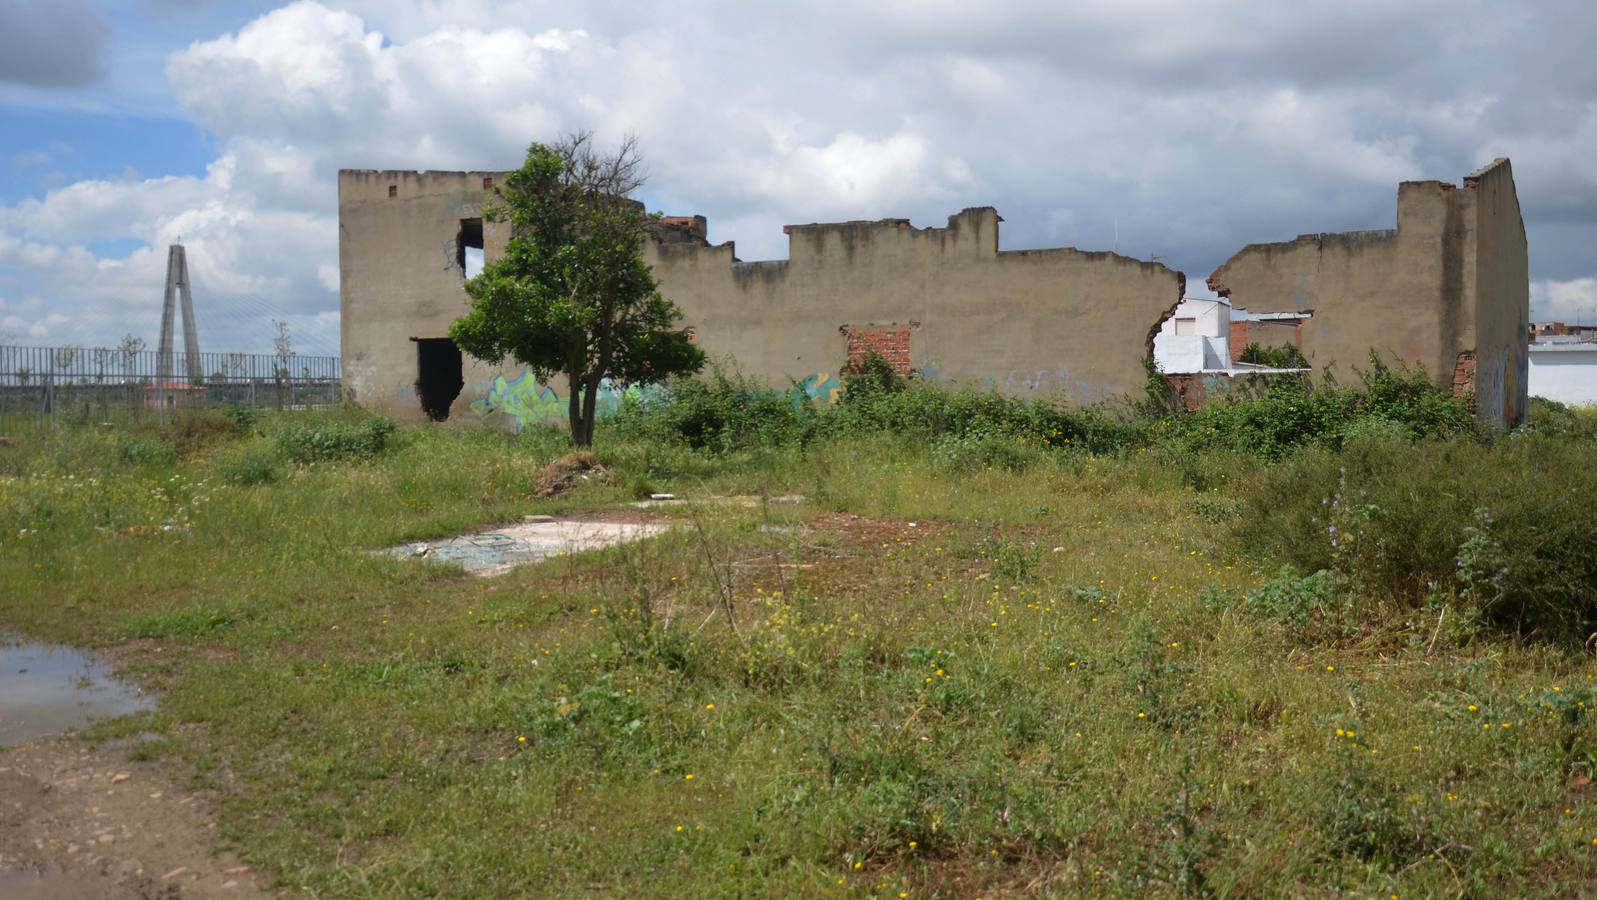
[(979, 661)]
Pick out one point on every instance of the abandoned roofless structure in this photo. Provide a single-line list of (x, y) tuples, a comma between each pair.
[(1447, 288)]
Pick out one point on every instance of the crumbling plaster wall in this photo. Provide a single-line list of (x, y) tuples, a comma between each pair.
[(1502, 297), (399, 277), (1037, 322), (1025, 322), (1450, 280), (1447, 288)]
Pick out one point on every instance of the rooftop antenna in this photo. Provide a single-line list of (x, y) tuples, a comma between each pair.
[(177, 282)]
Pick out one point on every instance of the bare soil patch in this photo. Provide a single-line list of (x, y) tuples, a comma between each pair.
[(84, 822)]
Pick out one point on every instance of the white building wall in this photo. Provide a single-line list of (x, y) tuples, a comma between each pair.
[(1564, 372), (1175, 354), (1196, 338)]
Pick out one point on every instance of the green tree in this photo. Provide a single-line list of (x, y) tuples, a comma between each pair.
[(572, 295)]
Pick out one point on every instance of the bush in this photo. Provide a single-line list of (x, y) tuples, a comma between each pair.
[(256, 465), (305, 442), (193, 430), (1508, 526), (1285, 356), (1291, 414), (873, 376), (245, 417), (1554, 419), (146, 451), (720, 412), (979, 452), (1310, 605), (1268, 420)]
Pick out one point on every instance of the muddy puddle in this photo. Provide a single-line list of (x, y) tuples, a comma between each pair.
[(495, 552), (47, 689)]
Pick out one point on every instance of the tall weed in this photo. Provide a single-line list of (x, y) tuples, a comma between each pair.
[(1509, 526)]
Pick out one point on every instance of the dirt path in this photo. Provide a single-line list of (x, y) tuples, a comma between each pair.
[(77, 822)]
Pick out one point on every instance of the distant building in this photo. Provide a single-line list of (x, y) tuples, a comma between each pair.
[(1563, 367), (1212, 336), (1540, 330)]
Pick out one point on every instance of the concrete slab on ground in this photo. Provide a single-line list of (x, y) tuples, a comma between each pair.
[(495, 552)]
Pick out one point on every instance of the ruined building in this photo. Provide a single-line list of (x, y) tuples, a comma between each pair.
[(1447, 288)]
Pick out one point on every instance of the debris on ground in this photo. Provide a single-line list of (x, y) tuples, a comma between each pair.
[(569, 471), (753, 501)]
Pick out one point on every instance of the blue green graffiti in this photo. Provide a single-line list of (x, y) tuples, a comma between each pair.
[(528, 402), (523, 399), (820, 386)]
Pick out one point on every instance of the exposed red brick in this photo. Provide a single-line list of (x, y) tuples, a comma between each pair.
[(681, 230), (1238, 339), (1216, 282), (891, 345), (1188, 388), (1464, 375)]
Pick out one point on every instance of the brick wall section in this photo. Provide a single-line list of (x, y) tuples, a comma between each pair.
[(1188, 388), (1238, 339), (891, 345), (1464, 374)]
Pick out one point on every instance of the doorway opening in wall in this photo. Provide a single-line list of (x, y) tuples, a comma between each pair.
[(439, 376), (468, 248)]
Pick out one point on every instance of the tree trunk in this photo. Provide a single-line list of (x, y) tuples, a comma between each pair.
[(574, 409), (591, 402)]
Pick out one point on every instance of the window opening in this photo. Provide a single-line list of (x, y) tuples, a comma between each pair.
[(468, 248)]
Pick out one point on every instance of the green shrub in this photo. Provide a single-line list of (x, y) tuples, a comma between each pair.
[(193, 430), (719, 412), (1285, 356), (1554, 419), (310, 441), (1291, 414), (245, 417), (980, 452), (1309, 605), (1508, 526), (256, 465), (873, 374), (146, 451), (1010, 558), (1216, 509)]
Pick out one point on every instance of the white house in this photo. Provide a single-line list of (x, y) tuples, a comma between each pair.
[(1208, 335), (1563, 369), (1194, 339)]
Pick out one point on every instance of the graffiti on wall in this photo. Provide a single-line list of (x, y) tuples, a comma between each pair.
[(1051, 381), (527, 402), (1496, 385), (820, 387)]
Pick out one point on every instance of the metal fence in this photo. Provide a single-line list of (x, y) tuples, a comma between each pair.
[(47, 387)]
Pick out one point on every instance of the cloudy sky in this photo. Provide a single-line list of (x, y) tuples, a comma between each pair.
[(1173, 129)]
